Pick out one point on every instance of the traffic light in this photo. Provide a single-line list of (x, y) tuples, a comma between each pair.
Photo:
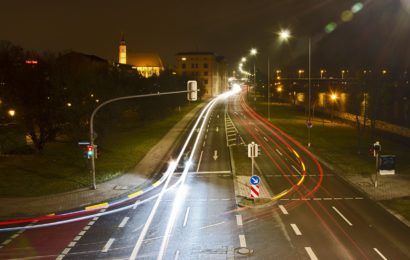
[(89, 151), (192, 88)]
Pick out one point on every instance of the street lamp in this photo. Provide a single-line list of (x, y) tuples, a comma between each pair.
[(321, 73), (12, 112), (300, 72), (253, 52), (284, 36), (333, 98)]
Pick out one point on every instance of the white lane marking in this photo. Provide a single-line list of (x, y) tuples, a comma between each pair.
[(213, 225), (60, 257), (136, 204), (176, 255), (72, 244), (95, 218), (123, 222), (266, 139), (311, 253), (91, 223), (81, 233), (77, 238), (15, 235), (296, 170), (7, 241), (242, 241), (86, 228), (239, 220), (210, 172), (65, 251), (256, 129), (380, 254), (284, 211), (186, 216), (108, 245), (359, 198), (343, 217), (327, 198), (206, 136), (296, 229), (279, 152)]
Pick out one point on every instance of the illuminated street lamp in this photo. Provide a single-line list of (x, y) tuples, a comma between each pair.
[(321, 73), (243, 59), (300, 72), (333, 98), (12, 112), (284, 36), (253, 52)]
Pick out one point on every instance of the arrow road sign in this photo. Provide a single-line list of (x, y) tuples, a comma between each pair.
[(215, 155), (255, 180)]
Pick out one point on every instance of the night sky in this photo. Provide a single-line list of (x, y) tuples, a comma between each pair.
[(377, 35)]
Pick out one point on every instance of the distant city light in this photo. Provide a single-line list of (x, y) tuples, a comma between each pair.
[(31, 62), (69, 104), (183, 58), (330, 27), (357, 7)]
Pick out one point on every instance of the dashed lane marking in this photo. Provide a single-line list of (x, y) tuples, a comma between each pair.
[(296, 229), (242, 241), (123, 222), (284, 211), (380, 253), (239, 220), (186, 216), (325, 199), (342, 216), (311, 253), (279, 152), (108, 245)]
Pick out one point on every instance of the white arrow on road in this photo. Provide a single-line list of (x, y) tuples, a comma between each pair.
[(217, 129), (215, 155)]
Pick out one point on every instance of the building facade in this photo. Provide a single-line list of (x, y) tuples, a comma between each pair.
[(205, 67)]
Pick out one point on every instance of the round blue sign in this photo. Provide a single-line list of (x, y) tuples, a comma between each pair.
[(255, 180)]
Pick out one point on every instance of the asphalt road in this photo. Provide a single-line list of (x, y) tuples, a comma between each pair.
[(316, 215)]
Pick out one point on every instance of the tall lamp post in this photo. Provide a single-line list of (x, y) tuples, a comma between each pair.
[(253, 52), (284, 35)]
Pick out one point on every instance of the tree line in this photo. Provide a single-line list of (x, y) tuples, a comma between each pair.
[(54, 93)]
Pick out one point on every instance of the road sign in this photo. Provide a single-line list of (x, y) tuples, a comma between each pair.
[(255, 180), (254, 191), (387, 164)]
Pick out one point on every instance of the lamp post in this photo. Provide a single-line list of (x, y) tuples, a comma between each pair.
[(284, 36), (309, 122), (253, 52)]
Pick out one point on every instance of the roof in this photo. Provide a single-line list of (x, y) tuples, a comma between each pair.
[(144, 60)]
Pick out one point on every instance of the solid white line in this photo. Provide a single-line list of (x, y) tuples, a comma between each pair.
[(136, 204), (311, 253), (279, 152), (343, 217), (108, 245), (123, 222), (239, 220), (284, 211), (296, 229), (380, 254), (176, 255), (242, 241), (199, 161), (186, 216)]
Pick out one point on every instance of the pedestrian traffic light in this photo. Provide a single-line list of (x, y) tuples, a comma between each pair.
[(192, 88), (89, 151)]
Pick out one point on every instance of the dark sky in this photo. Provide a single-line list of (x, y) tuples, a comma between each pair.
[(227, 27)]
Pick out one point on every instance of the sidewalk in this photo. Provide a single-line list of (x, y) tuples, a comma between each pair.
[(139, 177)]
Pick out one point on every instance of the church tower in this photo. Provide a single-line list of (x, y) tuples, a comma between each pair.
[(122, 55)]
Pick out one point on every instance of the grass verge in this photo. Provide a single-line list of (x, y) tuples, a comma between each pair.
[(61, 166), (337, 143)]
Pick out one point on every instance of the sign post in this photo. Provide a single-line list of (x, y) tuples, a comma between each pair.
[(254, 181)]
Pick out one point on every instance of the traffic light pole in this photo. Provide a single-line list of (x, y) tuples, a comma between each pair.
[(111, 101)]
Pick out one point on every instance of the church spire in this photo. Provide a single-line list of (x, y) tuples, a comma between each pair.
[(122, 51)]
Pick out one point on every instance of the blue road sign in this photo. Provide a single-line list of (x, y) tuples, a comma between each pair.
[(255, 180)]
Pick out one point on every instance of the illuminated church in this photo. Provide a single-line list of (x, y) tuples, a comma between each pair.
[(146, 64)]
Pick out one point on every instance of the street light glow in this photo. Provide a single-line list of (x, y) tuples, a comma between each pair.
[(333, 97), (12, 112), (243, 59), (254, 51), (284, 34)]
